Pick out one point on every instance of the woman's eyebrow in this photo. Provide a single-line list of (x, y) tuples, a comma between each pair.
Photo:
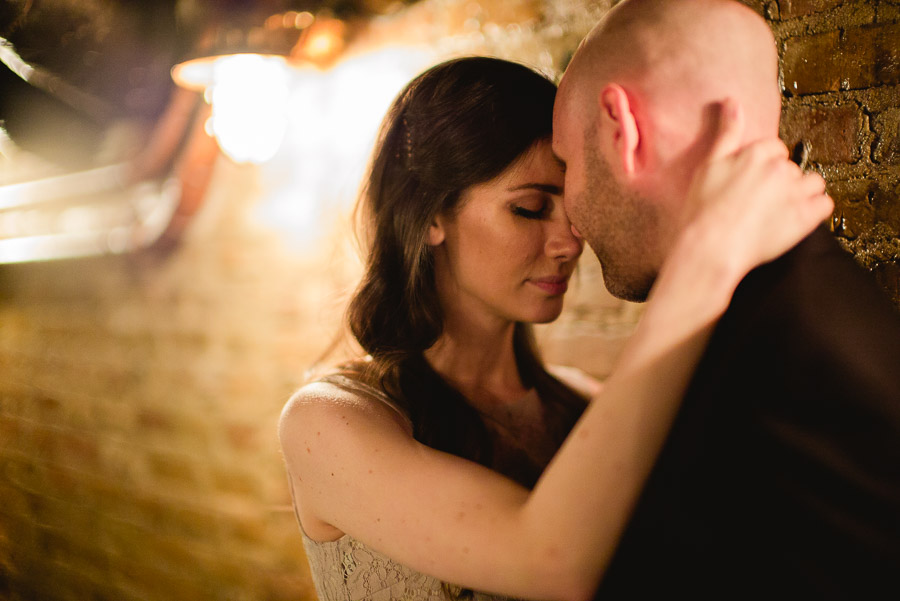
[(548, 188)]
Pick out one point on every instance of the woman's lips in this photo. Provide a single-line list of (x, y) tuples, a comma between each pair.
[(553, 286)]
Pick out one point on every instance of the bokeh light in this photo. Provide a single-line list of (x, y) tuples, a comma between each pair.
[(249, 99)]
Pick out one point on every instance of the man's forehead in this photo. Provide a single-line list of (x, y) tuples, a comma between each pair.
[(560, 127)]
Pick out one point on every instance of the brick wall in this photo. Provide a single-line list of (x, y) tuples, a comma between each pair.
[(139, 394), (841, 82), (138, 403)]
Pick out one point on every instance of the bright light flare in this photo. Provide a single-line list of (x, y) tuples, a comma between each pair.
[(334, 118), (249, 97)]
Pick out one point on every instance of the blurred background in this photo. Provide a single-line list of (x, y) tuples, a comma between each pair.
[(176, 182)]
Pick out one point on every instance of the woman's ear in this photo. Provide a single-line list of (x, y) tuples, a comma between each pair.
[(618, 127), (436, 232)]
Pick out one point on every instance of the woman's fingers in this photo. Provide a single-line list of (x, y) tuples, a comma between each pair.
[(728, 129), (797, 204), (761, 202)]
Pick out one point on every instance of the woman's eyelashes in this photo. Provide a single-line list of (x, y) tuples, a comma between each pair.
[(531, 210)]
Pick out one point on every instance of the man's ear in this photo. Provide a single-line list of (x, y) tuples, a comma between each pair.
[(620, 126), (436, 233)]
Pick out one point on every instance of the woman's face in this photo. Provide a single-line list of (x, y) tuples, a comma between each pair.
[(507, 252)]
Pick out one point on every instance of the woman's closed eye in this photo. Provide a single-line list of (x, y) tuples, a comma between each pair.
[(531, 209), (528, 213)]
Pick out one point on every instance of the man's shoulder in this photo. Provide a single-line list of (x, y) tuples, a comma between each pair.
[(813, 324), (815, 285)]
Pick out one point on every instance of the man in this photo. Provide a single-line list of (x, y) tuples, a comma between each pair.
[(781, 476)]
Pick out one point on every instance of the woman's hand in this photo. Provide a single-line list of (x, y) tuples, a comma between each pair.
[(751, 203)]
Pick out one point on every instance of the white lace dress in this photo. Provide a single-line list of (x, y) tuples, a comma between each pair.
[(348, 570)]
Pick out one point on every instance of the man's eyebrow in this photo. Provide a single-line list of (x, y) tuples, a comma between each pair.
[(548, 188)]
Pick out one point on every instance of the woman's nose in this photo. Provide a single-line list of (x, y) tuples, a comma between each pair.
[(562, 243)]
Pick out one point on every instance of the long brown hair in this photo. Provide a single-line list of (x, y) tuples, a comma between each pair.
[(458, 124)]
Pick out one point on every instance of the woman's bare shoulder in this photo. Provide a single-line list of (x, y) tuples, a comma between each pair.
[(326, 399)]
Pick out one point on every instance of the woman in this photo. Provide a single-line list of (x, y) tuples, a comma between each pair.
[(418, 467)]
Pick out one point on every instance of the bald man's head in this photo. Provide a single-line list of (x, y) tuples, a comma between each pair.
[(680, 54), (634, 109)]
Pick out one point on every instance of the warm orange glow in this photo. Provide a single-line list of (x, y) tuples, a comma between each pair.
[(322, 42), (199, 74)]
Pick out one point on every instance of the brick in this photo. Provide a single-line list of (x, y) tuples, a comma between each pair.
[(47, 405), (240, 483), (875, 247), (170, 423), (874, 52), (833, 133), (64, 483), (863, 57), (72, 515), (289, 586), (65, 546), (242, 437), (886, 203), (154, 419), (886, 126), (13, 503), (172, 469), (163, 516), (761, 7), (246, 529), (201, 524), (10, 432), (790, 9), (889, 10), (853, 211), (78, 449), (808, 64), (150, 581)]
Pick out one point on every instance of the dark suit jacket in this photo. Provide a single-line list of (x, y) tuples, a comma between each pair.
[(781, 476)]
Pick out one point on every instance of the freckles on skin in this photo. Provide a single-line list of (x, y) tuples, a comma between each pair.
[(505, 244)]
